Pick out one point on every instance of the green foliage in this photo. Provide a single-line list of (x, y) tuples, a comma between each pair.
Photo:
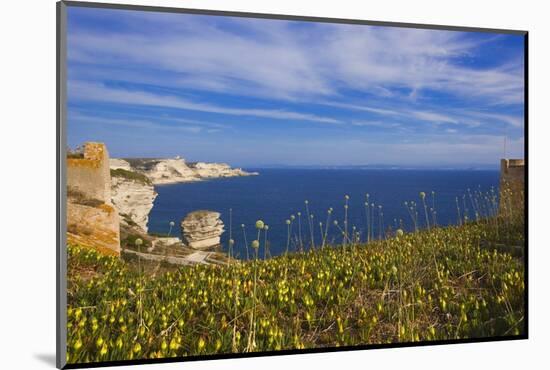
[(130, 175), (430, 285), (129, 242)]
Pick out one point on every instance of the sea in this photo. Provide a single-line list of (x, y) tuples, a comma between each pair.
[(275, 195)]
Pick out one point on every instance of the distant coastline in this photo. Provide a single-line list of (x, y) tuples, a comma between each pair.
[(162, 171), (476, 167)]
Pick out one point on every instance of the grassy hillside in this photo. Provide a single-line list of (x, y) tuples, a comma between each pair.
[(446, 283)]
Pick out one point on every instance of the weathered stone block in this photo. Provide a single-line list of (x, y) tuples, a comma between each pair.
[(202, 229)]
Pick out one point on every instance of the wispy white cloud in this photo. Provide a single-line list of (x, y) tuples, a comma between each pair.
[(512, 120), (134, 123), (380, 124), (86, 91), (433, 117), (269, 58), (436, 115), (353, 79)]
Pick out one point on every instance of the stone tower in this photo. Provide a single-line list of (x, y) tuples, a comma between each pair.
[(92, 221), (512, 186)]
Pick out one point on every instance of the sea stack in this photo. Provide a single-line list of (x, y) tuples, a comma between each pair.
[(202, 229)]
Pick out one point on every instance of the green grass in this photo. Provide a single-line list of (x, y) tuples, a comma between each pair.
[(445, 283), (130, 175)]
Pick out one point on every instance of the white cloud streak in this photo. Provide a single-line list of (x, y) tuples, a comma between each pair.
[(86, 91), (270, 59)]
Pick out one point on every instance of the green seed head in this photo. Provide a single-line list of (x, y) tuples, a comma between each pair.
[(399, 233), (422, 195), (255, 244), (287, 222), (259, 224), (138, 242)]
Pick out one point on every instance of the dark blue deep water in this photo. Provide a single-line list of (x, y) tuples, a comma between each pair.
[(277, 193)]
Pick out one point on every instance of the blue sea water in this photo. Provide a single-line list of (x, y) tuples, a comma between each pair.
[(276, 194)]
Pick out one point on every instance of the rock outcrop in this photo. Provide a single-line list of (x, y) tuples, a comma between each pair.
[(202, 229), (133, 195), (176, 170), (121, 164), (93, 226), (215, 170), (92, 221)]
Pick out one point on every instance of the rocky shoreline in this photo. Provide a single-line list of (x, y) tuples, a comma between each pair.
[(161, 171), (109, 201), (133, 193)]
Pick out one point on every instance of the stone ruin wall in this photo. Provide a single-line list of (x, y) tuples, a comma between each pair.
[(92, 221), (512, 185), (91, 174)]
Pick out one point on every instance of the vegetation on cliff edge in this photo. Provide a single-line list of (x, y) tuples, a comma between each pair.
[(437, 284), (130, 175)]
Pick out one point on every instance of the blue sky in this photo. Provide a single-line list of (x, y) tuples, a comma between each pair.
[(253, 92)]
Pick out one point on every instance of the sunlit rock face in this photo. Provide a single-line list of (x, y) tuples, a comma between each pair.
[(214, 170), (175, 170), (92, 221), (202, 229), (133, 200)]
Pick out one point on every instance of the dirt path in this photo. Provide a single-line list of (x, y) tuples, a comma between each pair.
[(198, 257)]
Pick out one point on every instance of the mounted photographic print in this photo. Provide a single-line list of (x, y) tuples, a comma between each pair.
[(235, 184)]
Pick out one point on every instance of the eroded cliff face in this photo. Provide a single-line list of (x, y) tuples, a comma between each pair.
[(214, 170), (93, 225), (176, 170), (133, 198), (133, 180), (202, 229)]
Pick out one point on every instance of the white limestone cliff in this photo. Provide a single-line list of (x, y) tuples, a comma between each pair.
[(133, 199), (176, 170), (214, 170), (133, 181)]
